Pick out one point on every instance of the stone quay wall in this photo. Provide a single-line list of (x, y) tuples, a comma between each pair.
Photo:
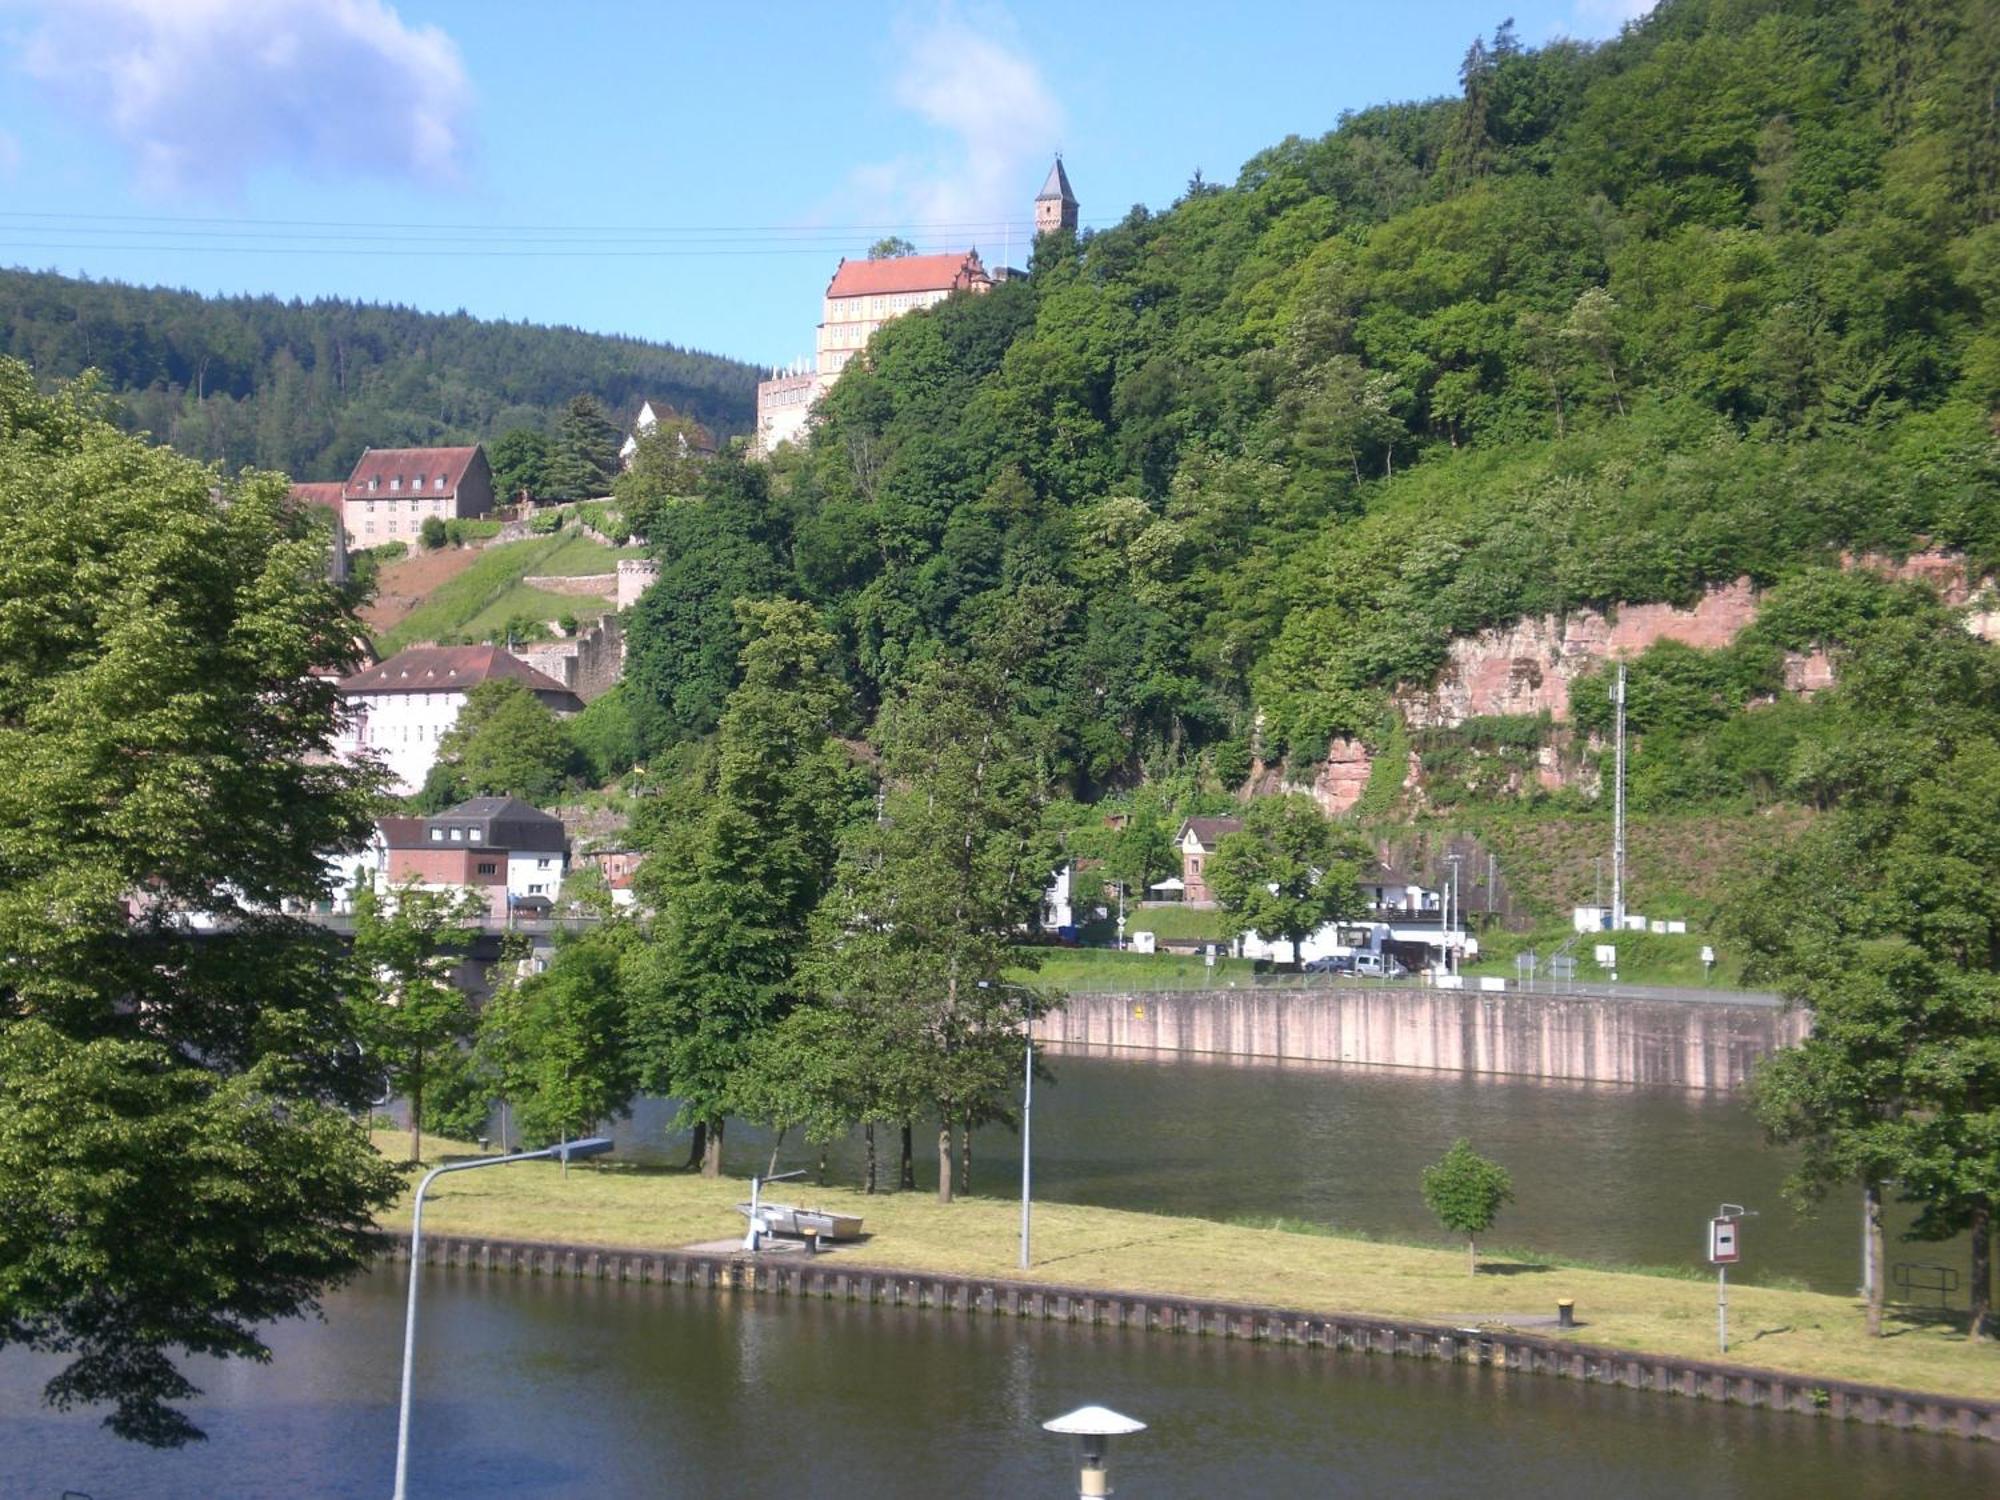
[(1690, 1044), (825, 1277)]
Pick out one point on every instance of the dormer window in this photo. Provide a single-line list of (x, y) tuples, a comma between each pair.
[(458, 835), (437, 835), (439, 484), (396, 482), (472, 834), (373, 482)]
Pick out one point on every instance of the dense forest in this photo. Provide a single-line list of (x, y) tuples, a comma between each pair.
[(1616, 323), (305, 386)]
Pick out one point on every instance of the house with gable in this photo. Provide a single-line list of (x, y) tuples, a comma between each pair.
[(696, 441), (1197, 841), (398, 710), (393, 491)]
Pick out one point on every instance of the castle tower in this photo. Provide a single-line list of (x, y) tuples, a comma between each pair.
[(1055, 204)]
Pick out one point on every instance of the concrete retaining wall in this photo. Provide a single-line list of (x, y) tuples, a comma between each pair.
[(1683, 1044), (827, 1277)]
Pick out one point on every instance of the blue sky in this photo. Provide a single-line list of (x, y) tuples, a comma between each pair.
[(690, 173)]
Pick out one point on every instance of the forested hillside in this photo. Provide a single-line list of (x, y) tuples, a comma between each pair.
[(1615, 324), (305, 386)]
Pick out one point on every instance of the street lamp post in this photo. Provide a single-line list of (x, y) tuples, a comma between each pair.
[(1027, 1116), (1093, 1427), (593, 1146)]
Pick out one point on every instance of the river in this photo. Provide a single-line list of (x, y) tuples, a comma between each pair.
[(1616, 1174), (548, 1389)]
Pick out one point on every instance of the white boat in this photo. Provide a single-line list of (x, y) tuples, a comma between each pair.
[(784, 1218)]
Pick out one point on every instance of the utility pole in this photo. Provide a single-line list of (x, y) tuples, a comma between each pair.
[(1618, 813), (1454, 916)]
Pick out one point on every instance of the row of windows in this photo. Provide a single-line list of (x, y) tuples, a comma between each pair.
[(458, 835), (396, 482)]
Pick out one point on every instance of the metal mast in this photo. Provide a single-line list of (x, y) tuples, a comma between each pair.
[(1618, 812)]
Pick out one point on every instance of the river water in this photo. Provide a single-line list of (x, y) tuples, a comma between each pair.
[(1613, 1173), (546, 1389)]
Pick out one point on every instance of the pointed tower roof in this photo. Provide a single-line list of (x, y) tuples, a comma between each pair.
[(1056, 189)]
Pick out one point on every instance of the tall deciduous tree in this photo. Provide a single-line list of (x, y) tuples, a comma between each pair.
[(177, 1165), (736, 888), (1288, 872), (505, 743), (409, 945), (556, 1042), (1885, 921), (917, 935), (520, 458)]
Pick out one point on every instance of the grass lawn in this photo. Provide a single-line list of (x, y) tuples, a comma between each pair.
[(620, 1204), (1643, 957)]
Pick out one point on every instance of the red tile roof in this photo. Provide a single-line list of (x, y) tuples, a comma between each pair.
[(444, 669), (956, 271), (326, 496), (420, 464)]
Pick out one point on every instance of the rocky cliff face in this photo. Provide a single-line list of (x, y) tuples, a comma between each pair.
[(1528, 667)]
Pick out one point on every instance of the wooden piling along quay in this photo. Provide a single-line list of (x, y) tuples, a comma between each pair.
[(1526, 1353)]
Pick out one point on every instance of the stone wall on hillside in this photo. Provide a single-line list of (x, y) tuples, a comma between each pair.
[(588, 663), (579, 585), (1528, 667)]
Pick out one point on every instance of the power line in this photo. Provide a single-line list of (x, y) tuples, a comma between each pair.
[(647, 230)]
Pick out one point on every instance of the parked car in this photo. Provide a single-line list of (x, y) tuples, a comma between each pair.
[(1333, 963), (1378, 966)]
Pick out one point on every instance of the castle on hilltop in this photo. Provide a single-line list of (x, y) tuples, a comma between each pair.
[(865, 294)]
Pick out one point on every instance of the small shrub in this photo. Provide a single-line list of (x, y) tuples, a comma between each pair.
[(433, 534), (546, 522), (1466, 1192)]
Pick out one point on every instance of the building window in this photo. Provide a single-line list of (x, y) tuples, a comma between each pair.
[(440, 484), (458, 835), (486, 867), (437, 835), (473, 834), (541, 864), (373, 483), (535, 890), (396, 483)]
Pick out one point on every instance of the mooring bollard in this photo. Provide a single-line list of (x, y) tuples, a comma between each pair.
[(1566, 1312)]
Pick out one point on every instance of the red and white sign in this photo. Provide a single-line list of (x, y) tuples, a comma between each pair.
[(1722, 1242)]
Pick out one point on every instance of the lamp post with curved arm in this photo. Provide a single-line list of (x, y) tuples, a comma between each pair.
[(595, 1145)]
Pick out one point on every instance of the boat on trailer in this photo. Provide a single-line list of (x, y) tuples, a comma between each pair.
[(799, 1223)]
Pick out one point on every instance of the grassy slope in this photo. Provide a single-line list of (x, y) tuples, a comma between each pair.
[(623, 1205), (489, 592)]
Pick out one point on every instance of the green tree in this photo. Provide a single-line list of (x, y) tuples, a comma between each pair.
[(505, 743), (1288, 872), (917, 935), (408, 946), (178, 1166), (556, 1042), (1466, 1192), (1884, 920), (520, 459), (894, 247), (432, 534), (735, 890), (586, 452)]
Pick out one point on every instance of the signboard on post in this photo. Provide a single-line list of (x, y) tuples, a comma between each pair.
[(1722, 1242)]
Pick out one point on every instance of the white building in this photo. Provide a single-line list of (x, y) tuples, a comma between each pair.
[(398, 710), (695, 440)]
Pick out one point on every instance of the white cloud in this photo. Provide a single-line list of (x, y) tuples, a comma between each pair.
[(205, 92), (993, 125)]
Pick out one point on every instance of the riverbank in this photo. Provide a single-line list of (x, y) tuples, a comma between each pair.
[(1804, 1333)]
